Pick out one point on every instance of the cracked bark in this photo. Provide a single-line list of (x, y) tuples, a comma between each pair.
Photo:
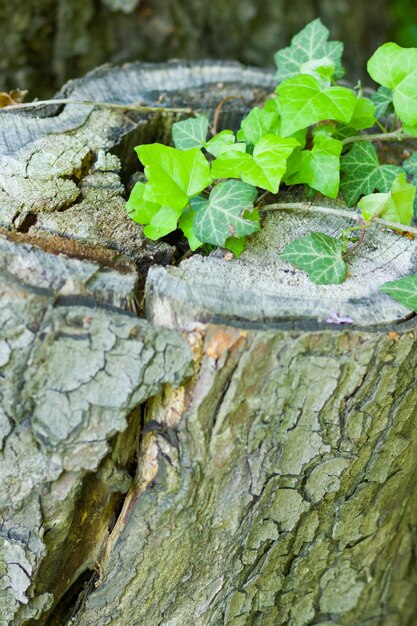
[(232, 458)]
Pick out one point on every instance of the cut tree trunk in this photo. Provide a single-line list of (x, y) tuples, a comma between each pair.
[(233, 457)]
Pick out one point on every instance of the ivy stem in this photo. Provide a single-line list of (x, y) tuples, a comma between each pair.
[(108, 105), (218, 110), (396, 135), (351, 215), (381, 126), (362, 227)]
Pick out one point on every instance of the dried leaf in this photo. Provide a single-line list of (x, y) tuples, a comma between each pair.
[(16, 96)]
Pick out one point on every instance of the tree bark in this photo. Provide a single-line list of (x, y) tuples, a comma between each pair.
[(230, 458), (43, 43)]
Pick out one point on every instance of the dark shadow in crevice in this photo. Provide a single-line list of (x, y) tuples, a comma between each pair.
[(73, 600)]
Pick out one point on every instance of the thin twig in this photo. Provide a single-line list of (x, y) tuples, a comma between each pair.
[(351, 215), (261, 198), (108, 105), (218, 109)]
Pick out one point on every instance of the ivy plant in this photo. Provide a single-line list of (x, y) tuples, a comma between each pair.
[(313, 131)]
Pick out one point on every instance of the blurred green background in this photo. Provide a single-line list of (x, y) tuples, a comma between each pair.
[(43, 43)]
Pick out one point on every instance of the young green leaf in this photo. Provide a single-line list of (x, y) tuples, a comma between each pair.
[(319, 255), (163, 222), (363, 114), (264, 168), (190, 133), (222, 215), (382, 100), (310, 53), (185, 223), (410, 166), (396, 68), (257, 124), (320, 166), (303, 101), (173, 175), (235, 245), (394, 206), (140, 210), (363, 173), (403, 290), (159, 220), (222, 142)]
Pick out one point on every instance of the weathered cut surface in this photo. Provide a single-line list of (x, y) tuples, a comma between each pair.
[(233, 459), (45, 42), (260, 287)]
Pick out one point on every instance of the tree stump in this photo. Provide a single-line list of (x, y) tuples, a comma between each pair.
[(223, 455)]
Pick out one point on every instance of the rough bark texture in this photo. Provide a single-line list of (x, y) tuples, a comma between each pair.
[(287, 496), (44, 42), (232, 459), (73, 375)]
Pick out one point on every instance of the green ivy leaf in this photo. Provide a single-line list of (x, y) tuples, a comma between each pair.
[(257, 124), (396, 68), (394, 206), (222, 215), (264, 168), (310, 53), (140, 210), (163, 222), (235, 245), (319, 255), (363, 173), (185, 223), (410, 130), (382, 100), (320, 166), (173, 175), (159, 220), (303, 101), (403, 290), (363, 114), (190, 133), (222, 142), (410, 166)]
